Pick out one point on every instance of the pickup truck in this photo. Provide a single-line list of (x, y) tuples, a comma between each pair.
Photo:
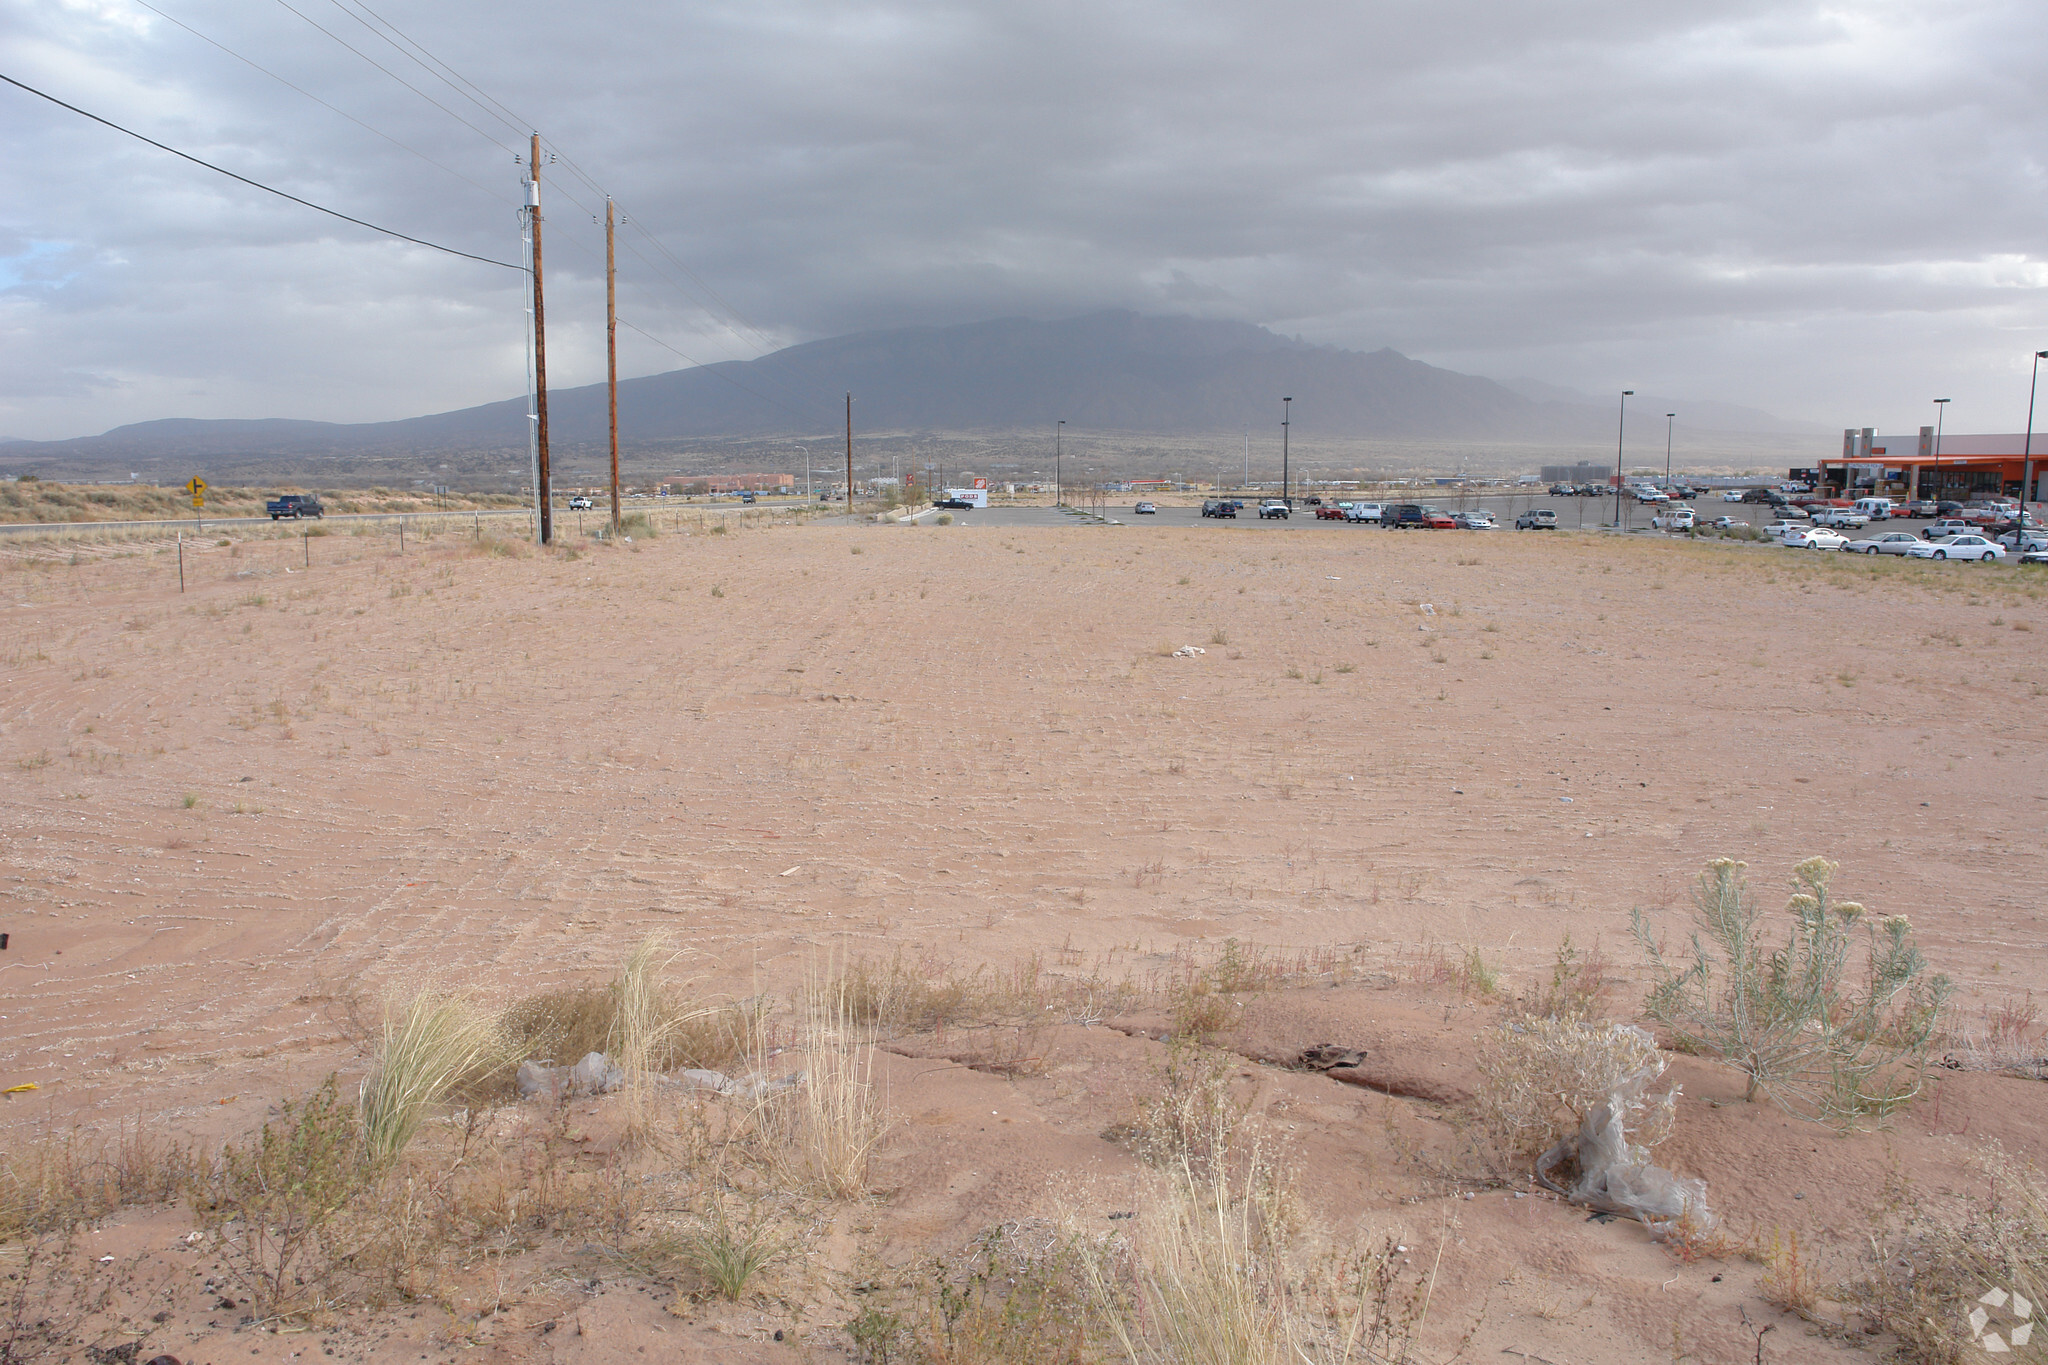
[(1273, 507), (294, 505), (1841, 518)]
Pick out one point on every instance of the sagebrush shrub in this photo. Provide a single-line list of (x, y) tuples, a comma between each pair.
[(1540, 1077), (1832, 1022)]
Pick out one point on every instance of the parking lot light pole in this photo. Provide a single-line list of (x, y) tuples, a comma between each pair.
[(809, 496), (1940, 411), (2019, 542), (1059, 437), (1667, 450), (1286, 404), (1626, 394)]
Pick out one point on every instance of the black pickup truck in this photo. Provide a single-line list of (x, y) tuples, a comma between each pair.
[(294, 505)]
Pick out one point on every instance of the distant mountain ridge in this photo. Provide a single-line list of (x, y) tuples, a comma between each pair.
[(1107, 372)]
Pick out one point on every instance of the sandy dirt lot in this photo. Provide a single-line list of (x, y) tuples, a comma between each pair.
[(234, 816)]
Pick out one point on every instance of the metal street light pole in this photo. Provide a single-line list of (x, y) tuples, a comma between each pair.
[(1286, 404), (1626, 394), (809, 496), (1940, 411), (1059, 438), (1667, 450), (2019, 544)]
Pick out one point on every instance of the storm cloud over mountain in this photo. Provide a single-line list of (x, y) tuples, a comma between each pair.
[(1827, 211)]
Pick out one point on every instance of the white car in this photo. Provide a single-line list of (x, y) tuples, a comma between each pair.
[(1652, 495), (1676, 519), (1778, 530), (1957, 547), (1890, 543), (2036, 537), (1815, 538), (1842, 519), (1732, 495)]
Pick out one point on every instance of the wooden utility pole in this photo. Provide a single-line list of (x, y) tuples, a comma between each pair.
[(611, 350), (849, 454), (543, 482)]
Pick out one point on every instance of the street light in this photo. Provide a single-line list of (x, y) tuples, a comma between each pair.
[(1940, 410), (1667, 450), (1059, 436), (1626, 394), (2019, 543), (810, 496), (1286, 405)]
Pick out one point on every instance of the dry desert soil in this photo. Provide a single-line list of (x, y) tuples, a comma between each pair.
[(239, 817)]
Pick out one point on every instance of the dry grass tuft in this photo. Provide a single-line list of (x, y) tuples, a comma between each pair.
[(430, 1046), (53, 1184), (1929, 1267)]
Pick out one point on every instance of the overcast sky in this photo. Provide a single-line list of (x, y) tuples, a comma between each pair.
[(1835, 212)]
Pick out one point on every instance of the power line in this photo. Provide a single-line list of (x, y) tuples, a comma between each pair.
[(391, 42), (256, 184), (169, 18), (401, 80), (488, 102)]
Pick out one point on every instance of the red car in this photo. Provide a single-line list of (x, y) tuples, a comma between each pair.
[(1329, 514)]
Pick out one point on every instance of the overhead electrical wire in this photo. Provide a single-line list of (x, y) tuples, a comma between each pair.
[(400, 79), (500, 113), (204, 38), (257, 184)]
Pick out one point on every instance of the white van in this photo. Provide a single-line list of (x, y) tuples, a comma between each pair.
[(1877, 509)]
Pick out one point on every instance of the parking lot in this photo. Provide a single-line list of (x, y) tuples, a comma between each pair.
[(1572, 513)]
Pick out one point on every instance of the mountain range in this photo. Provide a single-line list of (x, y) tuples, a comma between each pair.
[(1109, 372)]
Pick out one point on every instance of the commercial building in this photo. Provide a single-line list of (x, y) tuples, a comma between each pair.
[(1965, 467), (1582, 472)]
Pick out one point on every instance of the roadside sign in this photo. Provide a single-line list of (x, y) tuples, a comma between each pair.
[(197, 488)]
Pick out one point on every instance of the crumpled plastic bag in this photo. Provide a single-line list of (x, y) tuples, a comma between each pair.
[(1615, 1175), (740, 1087), (596, 1074)]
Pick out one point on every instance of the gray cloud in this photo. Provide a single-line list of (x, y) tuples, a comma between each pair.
[(1831, 212)]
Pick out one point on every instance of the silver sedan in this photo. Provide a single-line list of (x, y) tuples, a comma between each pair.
[(1891, 543)]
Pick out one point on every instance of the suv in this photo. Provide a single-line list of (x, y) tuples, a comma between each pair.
[(579, 503), (1362, 512), (1537, 519), (1273, 507), (1220, 508), (1770, 496)]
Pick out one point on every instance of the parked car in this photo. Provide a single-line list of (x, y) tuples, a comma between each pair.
[(1363, 512), (1770, 496), (1733, 495), (1815, 538), (1890, 543), (1331, 513), (1145, 509), (1475, 521), (1673, 519), (1919, 507), (1841, 518), (1403, 516), (1273, 507), (580, 503), (1957, 547), (2035, 537), (1537, 519), (1877, 509), (1220, 507), (1949, 526), (957, 504), (1724, 523), (2034, 556), (1647, 494), (1778, 530), (1563, 490)]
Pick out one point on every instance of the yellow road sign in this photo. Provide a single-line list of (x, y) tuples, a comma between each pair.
[(197, 488)]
